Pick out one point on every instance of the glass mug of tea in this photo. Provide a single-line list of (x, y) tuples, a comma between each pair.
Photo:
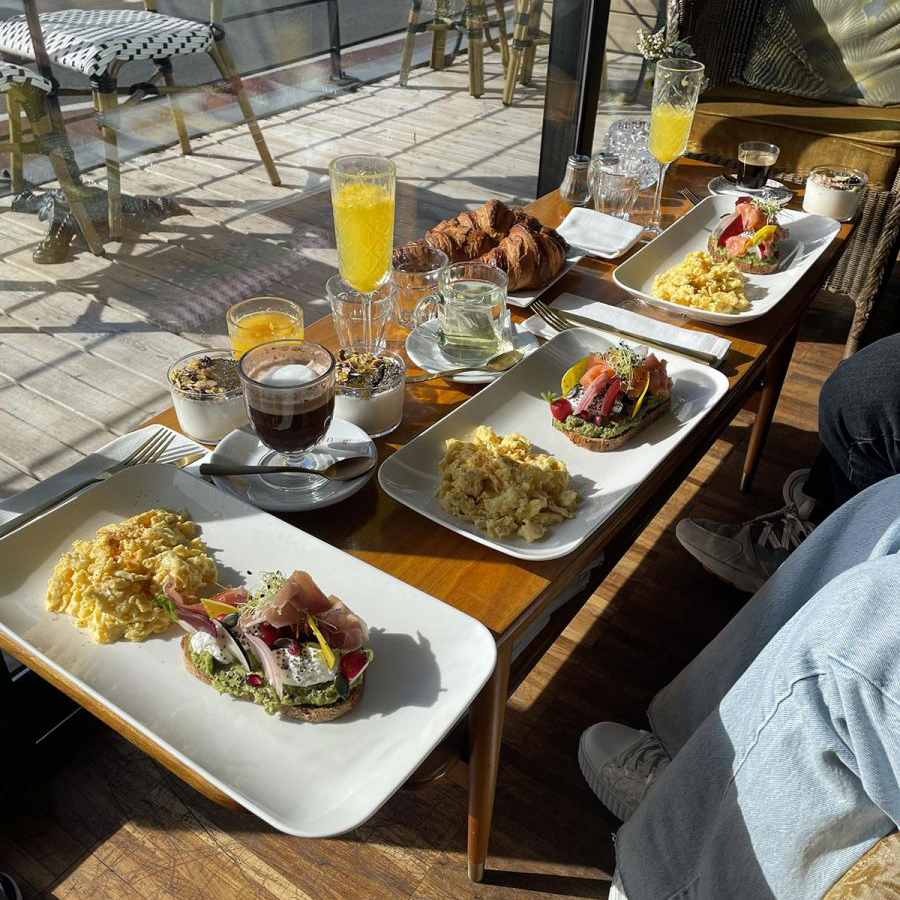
[(473, 322), (755, 161), (289, 392)]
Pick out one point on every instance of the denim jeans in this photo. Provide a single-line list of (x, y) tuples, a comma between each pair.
[(859, 425), (784, 732)]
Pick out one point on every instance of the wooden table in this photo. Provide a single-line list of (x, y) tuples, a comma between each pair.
[(508, 594)]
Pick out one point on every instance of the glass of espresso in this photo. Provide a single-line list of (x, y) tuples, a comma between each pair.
[(289, 392), (755, 161)]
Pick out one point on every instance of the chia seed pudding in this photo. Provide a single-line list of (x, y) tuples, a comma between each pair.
[(369, 390), (207, 395)]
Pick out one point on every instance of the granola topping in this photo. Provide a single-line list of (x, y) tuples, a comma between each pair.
[(837, 180), (210, 376)]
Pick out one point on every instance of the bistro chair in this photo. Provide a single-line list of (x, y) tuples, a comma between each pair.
[(26, 91), (527, 36), (99, 42), (473, 20)]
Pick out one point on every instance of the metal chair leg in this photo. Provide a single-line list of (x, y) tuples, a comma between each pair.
[(476, 17), (501, 31), (520, 31), (410, 42), (16, 176), (106, 103), (177, 112), (221, 56), (534, 24), (42, 129)]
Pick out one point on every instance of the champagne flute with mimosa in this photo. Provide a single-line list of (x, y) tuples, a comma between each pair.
[(262, 319), (362, 198), (676, 87)]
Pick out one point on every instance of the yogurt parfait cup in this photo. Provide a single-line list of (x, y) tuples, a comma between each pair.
[(369, 390), (207, 395), (834, 191)]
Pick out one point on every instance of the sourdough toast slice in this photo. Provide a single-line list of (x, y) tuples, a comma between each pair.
[(602, 445), (305, 712)]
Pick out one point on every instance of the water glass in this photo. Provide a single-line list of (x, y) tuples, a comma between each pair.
[(362, 199), (472, 316), (361, 319), (260, 319), (416, 279), (614, 187)]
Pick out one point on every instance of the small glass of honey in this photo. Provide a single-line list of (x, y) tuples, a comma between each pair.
[(261, 319)]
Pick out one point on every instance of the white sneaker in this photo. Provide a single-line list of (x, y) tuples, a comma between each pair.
[(793, 493), (620, 764)]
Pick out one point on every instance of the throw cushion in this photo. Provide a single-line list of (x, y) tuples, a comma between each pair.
[(847, 51)]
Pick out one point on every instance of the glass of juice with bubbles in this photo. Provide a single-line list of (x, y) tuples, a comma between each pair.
[(261, 319), (362, 198), (676, 87)]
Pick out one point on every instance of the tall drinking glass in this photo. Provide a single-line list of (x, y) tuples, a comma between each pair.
[(362, 199), (289, 393), (676, 87)]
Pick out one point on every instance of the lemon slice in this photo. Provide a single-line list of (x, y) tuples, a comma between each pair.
[(216, 608), (763, 234), (573, 376), (327, 652)]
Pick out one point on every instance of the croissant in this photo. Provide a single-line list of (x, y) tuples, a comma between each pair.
[(494, 218), (529, 258), (460, 242)]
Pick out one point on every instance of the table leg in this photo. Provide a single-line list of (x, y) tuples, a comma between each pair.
[(773, 379), (485, 736)]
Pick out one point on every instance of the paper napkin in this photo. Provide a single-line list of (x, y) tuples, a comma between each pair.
[(598, 233)]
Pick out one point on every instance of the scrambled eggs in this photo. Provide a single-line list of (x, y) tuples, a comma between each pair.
[(498, 484), (109, 583), (703, 283)]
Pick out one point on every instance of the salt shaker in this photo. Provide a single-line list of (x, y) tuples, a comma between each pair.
[(574, 189)]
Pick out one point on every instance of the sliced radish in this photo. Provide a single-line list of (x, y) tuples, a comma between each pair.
[(269, 664), (597, 385)]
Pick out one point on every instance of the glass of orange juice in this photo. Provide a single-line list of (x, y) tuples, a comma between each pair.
[(362, 198), (676, 87), (261, 319)]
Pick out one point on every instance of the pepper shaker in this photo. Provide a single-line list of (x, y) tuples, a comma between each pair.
[(574, 189)]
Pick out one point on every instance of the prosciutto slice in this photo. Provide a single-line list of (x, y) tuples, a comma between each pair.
[(300, 597)]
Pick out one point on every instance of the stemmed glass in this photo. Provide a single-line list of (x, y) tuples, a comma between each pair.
[(676, 87)]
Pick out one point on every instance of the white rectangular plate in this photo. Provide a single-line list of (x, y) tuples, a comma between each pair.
[(310, 780), (809, 236), (513, 403), (526, 298)]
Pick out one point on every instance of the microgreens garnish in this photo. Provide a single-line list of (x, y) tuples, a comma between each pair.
[(768, 206)]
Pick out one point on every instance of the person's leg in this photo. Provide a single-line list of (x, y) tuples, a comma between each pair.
[(859, 428), (620, 763), (794, 774), (859, 425)]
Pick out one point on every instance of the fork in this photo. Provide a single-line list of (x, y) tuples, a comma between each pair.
[(150, 451), (689, 195), (562, 322)]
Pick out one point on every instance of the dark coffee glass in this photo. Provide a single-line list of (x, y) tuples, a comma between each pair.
[(755, 161), (289, 393)]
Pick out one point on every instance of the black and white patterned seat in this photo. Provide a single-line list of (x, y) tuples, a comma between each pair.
[(91, 40), (11, 74)]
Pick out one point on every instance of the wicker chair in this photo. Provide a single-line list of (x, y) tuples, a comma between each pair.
[(721, 34)]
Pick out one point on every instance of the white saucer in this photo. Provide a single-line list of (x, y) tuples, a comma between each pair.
[(424, 351), (722, 185), (243, 447)]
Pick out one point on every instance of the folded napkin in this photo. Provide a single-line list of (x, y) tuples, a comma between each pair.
[(604, 314), (598, 233), (109, 454)]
